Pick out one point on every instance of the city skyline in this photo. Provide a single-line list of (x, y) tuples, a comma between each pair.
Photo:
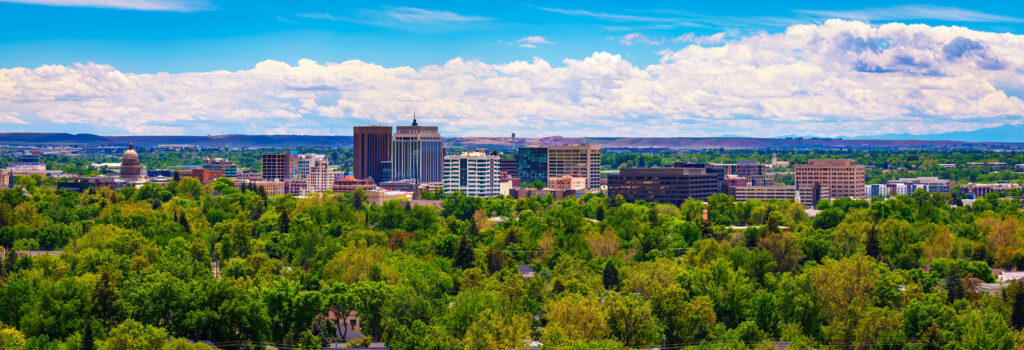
[(152, 67)]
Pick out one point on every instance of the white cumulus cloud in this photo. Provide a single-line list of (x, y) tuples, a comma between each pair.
[(637, 38), (532, 41), (838, 78)]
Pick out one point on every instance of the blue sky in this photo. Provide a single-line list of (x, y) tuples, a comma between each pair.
[(209, 35), (634, 53)]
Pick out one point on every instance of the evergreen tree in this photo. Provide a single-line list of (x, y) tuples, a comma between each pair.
[(88, 343), (871, 247), (184, 223), (283, 223), (1015, 292), (954, 286), (474, 229), (10, 259), (464, 255), (611, 276), (599, 213), (495, 260)]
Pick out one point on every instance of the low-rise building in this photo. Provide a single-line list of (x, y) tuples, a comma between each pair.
[(223, 165), (665, 185), (381, 196), (271, 187), (524, 192), (205, 176), (350, 183), (766, 193), (980, 190), (566, 182)]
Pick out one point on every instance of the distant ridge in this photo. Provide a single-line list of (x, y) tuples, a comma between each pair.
[(506, 142), (208, 141)]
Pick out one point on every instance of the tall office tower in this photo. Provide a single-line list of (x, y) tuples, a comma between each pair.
[(664, 185), (532, 165), (131, 169), (829, 178), (279, 166), (371, 146), (475, 174), (417, 153), (578, 161)]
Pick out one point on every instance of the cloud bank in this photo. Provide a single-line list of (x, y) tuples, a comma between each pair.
[(839, 78)]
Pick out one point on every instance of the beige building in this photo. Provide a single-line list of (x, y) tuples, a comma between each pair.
[(765, 193), (315, 170), (5, 178), (842, 178), (567, 182), (578, 161), (271, 187), (380, 196)]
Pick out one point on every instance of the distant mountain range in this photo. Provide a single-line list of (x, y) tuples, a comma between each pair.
[(894, 142), (1004, 133)]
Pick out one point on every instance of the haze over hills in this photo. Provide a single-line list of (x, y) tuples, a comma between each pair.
[(500, 142), (1003, 133)]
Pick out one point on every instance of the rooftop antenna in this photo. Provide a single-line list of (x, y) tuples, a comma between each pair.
[(414, 119)]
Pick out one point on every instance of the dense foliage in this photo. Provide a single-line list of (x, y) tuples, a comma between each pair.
[(137, 271)]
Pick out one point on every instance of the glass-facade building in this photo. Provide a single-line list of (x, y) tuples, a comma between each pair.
[(532, 165)]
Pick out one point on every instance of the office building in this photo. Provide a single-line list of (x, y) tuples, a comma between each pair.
[(476, 174), (751, 171), (509, 166), (567, 182), (930, 184), (5, 178), (980, 190), (664, 185), (381, 196), (131, 169), (417, 153), (576, 160), (222, 165), (205, 176), (532, 165), (765, 193), (525, 192), (350, 184), (280, 166), (29, 158), (315, 170), (271, 187), (371, 146), (839, 177)]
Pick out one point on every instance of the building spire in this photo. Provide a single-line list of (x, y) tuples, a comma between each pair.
[(414, 119), (129, 145)]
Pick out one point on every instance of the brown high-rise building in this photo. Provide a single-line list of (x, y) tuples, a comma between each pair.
[(280, 166), (371, 145), (829, 178)]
